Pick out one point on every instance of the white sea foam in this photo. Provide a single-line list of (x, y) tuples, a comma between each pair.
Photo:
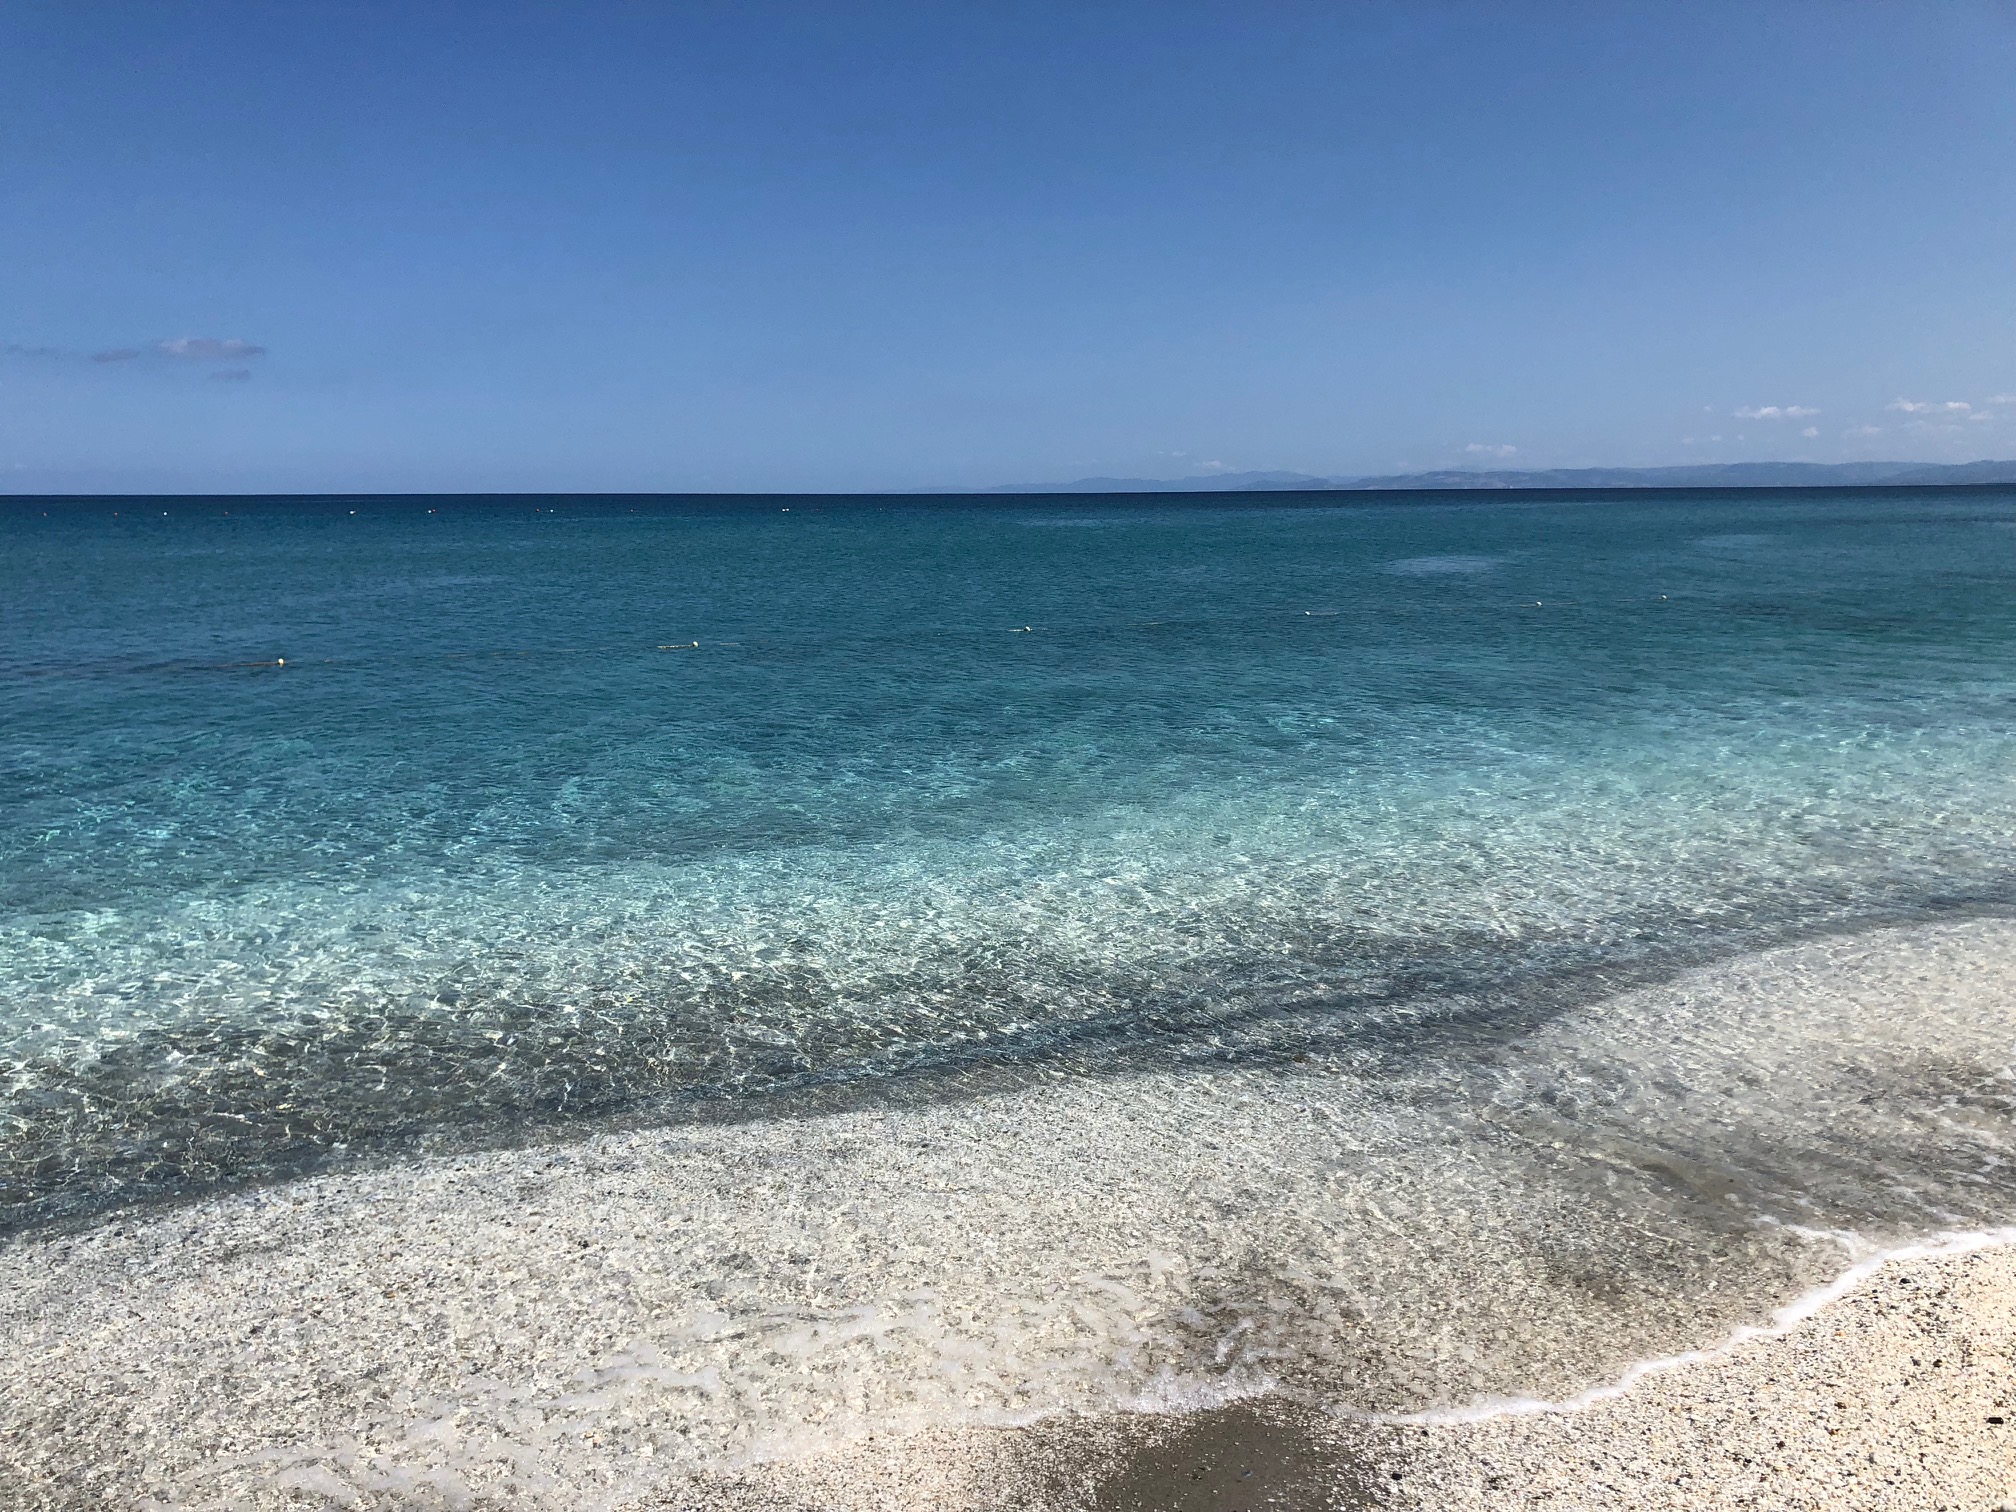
[(1784, 1320)]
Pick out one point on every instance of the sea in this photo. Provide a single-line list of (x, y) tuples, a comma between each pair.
[(344, 835)]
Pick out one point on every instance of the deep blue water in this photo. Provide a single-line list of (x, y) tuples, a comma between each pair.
[(332, 825)]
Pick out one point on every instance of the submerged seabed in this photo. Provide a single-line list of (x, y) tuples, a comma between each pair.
[(330, 836)]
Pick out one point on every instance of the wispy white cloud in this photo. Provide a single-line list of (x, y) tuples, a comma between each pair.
[(187, 349), (1929, 406), (210, 349), (1487, 449), (1863, 430), (1775, 412), (1810, 431)]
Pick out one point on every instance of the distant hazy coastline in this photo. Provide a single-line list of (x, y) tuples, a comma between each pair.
[(1716, 475)]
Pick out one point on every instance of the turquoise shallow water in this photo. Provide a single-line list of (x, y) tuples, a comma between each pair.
[(332, 827)]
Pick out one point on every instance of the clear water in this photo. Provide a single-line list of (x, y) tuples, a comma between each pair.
[(573, 808)]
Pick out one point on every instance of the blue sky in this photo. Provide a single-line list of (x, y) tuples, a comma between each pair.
[(760, 245)]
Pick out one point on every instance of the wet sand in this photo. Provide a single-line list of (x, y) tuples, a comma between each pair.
[(1899, 1395)]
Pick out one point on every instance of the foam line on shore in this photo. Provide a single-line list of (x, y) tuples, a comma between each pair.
[(1784, 1320)]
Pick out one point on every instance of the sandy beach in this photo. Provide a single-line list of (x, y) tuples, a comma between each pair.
[(1111, 1293), (1899, 1394)]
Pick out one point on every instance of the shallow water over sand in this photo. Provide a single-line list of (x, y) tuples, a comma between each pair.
[(564, 808)]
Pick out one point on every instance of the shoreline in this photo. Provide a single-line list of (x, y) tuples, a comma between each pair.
[(1785, 1321), (1513, 1010), (1894, 1390), (841, 1304), (1900, 1393)]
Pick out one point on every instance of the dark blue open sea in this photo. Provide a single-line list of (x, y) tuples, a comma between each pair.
[(341, 833)]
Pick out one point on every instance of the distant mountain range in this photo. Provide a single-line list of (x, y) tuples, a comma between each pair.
[(1717, 475)]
